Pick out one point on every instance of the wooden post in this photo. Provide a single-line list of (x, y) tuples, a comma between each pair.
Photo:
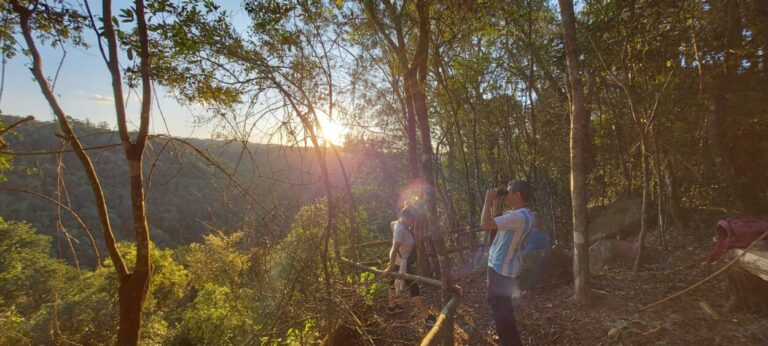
[(424, 262), (445, 320), (445, 268)]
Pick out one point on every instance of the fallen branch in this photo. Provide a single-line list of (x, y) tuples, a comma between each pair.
[(376, 263), (653, 330), (371, 244), (709, 310), (708, 277), (412, 277)]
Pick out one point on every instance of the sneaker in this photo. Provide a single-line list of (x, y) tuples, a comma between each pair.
[(394, 309), (429, 322)]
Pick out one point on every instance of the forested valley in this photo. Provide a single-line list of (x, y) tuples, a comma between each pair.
[(639, 125)]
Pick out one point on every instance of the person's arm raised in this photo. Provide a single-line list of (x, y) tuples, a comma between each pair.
[(486, 219)]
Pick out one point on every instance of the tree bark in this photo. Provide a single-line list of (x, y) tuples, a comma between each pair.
[(578, 161), (644, 207), (470, 195), (673, 193), (718, 111), (134, 287), (72, 139)]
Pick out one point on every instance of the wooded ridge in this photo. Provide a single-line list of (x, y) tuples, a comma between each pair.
[(637, 123)]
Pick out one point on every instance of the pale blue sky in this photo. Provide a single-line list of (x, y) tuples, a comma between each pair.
[(84, 91)]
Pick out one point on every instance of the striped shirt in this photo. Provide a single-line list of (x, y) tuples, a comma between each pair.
[(504, 254)]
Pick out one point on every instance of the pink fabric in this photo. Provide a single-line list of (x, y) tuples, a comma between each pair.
[(736, 233)]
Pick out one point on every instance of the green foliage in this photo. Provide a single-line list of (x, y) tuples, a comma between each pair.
[(49, 295), (373, 287), (168, 292), (28, 276), (46, 301), (10, 325), (56, 22), (88, 313), (498, 109), (221, 260), (306, 336), (5, 159), (225, 306), (217, 316)]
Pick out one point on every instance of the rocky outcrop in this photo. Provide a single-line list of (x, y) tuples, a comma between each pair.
[(620, 219), (611, 253)]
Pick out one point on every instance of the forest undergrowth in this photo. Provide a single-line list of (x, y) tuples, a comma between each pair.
[(549, 315)]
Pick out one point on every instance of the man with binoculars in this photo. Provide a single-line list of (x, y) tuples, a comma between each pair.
[(504, 255)]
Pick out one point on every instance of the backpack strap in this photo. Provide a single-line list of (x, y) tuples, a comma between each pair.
[(414, 239), (526, 233)]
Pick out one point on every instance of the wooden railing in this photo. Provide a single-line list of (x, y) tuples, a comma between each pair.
[(445, 318), (442, 331)]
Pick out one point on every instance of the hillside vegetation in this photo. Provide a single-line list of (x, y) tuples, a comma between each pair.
[(648, 113)]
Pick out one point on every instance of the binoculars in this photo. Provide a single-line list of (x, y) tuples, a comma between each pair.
[(502, 192)]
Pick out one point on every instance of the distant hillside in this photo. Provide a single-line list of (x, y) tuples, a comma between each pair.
[(187, 196)]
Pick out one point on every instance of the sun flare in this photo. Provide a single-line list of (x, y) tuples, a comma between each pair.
[(333, 132)]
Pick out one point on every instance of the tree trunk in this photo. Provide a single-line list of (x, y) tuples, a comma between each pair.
[(409, 85), (470, 195), (131, 296), (673, 199), (644, 207), (578, 161), (416, 78), (718, 111), (134, 287)]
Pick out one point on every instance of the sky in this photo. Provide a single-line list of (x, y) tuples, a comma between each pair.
[(83, 87)]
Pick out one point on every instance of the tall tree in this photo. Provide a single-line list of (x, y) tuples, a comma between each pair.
[(403, 70), (723, 75), (133, 285), (579, 139)]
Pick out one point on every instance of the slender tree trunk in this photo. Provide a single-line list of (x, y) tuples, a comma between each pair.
[(72, 139), (470, 195), (673, 200), (133, 286), (619, 144), (718, 111), (661, 200), (578, 160), (529, 92), (410, 132), (410, 87), (417, 78), (320, 151), (133, 289), (475, 144), (644, 208)]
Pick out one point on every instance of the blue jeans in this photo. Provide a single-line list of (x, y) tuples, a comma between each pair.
[(500, 290)]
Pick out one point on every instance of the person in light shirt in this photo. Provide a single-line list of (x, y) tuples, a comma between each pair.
[(504, 255), (402, 259)]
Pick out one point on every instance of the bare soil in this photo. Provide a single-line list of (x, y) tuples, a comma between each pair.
[(549, 315)]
